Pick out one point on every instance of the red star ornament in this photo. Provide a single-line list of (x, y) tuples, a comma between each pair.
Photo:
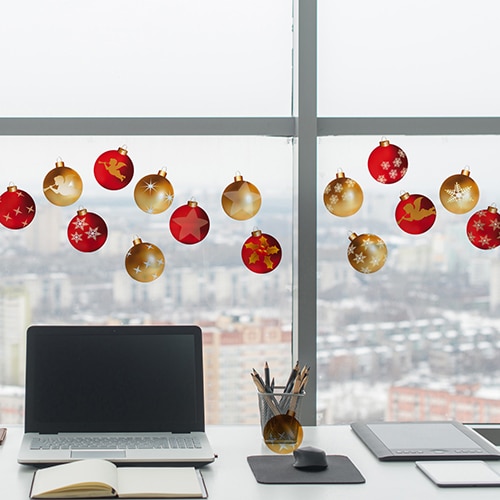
[(241, 200), (114, 169), (387, 163), (261, 253), (87, 231), (189, 224), (17, 208), (483, 229), (415, 213)]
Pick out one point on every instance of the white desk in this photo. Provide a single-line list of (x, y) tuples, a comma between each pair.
[(230, 477)]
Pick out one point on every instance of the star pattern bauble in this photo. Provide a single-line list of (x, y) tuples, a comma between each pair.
[(189, 223), (154, 193), (283, 433), (459, 193), (366, 253), (241, 200), (144, 261), (17, 208), (87, 231), (483, 228)]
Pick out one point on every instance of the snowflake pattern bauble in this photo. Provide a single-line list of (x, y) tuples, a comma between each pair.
[(343, 196), (459, 193), (483, 229), (17, 208), (387, 163), (367, 253), (87, 231)]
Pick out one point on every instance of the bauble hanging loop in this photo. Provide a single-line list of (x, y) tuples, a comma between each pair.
[(241, 200), (483, 228), (154, 193), (367, 253), (387, 163), (144, 262), (459, 193), (261, 253), (343, 196), (62, 186), (189, 224), (87, 231), (415, 213), (17, 208), (114, 169)]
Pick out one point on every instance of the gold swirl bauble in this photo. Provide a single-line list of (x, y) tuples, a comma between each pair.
[(367, 253), (343, 196), (154, 193), (144, 261), (459, 193), (241, 200), (62, 186)]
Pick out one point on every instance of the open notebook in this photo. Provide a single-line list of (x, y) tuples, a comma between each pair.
[(128, 394)]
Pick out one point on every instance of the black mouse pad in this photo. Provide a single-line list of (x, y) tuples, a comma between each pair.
[(279, 469)]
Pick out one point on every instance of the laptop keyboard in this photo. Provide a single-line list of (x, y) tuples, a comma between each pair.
[(113, 443)]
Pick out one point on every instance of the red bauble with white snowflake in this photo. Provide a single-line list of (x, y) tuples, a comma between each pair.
[(189, 224), (483, 229), (17, 208), (387, 163), (261, 253), (415, 213), (114, 169), (87, 232)]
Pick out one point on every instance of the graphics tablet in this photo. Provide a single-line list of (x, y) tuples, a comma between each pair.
[(395, 441)]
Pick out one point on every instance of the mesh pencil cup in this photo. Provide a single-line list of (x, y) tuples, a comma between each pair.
[(280, 420)]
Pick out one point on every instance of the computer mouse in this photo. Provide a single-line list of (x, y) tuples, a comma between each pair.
[(310, 458)]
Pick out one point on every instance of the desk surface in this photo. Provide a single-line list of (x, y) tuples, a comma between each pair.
[(230, 477)]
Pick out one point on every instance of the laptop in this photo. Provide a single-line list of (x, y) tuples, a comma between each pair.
[(128, 394)]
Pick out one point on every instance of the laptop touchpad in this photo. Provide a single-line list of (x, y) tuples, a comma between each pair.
[(105, 454)]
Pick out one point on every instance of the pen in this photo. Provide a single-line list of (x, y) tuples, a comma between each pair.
[(3, 434)]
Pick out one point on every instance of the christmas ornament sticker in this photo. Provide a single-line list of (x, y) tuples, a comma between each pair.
[(261, 253), (87, 231), (459, 193), (189, 224), (241, 200), (62, 186), (367, 253), (483, 228), (154, 193), (144, 262), (114, 169), (17, 208), (387, 163), (415, 213), (343, 196)]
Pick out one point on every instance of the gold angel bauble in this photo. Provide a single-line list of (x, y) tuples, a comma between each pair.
[(62, 186)]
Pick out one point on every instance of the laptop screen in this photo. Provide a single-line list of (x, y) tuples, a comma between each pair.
[(114, 379)]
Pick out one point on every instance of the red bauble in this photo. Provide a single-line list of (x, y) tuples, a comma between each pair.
[(415, 213), (483, 229), (189, 223), (114, 169), (387, 163), (17, 208), (87, 231), (261, 253)]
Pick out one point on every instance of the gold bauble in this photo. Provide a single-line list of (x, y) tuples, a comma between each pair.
[(283, 433), (343, 196), (241, 200), (367, 253), (144, 261), (459, 193), (62, 186), (154, 193)]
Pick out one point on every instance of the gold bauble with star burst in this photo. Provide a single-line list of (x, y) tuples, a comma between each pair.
[(241, 200), (367, 253), (343, 196), (154, 193), (144, 262), (459, 193), (283, 434)]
